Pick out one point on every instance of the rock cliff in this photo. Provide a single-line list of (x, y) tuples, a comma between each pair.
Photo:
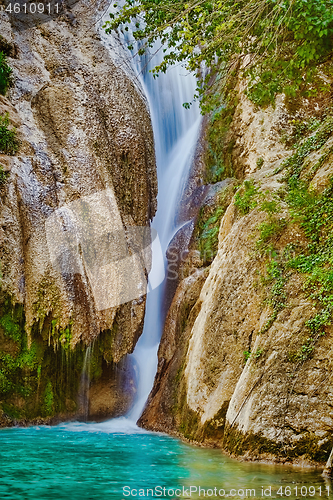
[(83, 124), (245, 357)]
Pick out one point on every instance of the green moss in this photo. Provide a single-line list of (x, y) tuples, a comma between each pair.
[(269, 229), (213, 430), (9, 143), (3, 176), (65, 338), (259, 163), (218, 159), (253, 355), (48, 399), (22, 386), (208, 229), (189, 424), (299, 130), (294, 163), (256, 354), (179, 374), (62, 336), (306, 446), (11, 327), (246, 197), (208, 224), (5, 74), (11, 411), (41, 378), (247, 355)]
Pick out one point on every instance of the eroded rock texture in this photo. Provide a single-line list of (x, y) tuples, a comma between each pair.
[(84, 126), (234, 370)]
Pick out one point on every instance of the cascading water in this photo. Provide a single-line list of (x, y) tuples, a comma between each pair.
[(93, 461), (175, 134), (85, 383)]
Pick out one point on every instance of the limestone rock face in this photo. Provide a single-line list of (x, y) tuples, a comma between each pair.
[(162, 407), (228, 374), (84, 127)]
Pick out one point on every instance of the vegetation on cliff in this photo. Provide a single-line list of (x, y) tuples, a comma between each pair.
[(281, 43), (41, 369), (3, 176), (9, 143), (5, 74), (273, 309), (312, 211), (40, 375), (267, 302)]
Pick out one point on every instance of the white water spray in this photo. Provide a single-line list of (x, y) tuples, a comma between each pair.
[(85, 384), (175, 133)]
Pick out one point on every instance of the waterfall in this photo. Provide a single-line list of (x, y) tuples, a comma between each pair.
[(85, 384), (175, 134)]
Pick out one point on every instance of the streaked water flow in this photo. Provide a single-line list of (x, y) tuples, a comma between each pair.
[(175, 134), (85, 383), (95, 461)]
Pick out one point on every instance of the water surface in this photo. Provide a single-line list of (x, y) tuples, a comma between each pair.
[(96, 461)]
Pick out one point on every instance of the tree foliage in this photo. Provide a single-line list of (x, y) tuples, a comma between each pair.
[(279, 44)]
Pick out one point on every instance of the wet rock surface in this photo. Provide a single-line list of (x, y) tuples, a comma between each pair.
[(228, 375), (84, 126)]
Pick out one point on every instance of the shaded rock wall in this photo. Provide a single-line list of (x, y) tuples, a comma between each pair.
[(84, 126)]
